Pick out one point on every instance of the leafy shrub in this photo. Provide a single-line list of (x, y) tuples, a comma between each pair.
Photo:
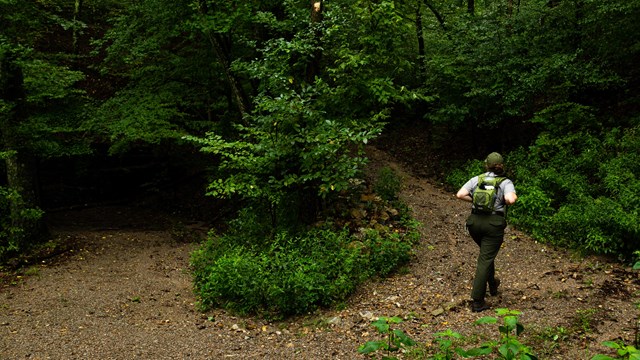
[(396, 339), (532, 211), (387, 251), (15, 226), (509, 347), (292, 273), (623, 351), (460, 175), (387, 184), (580, 190)]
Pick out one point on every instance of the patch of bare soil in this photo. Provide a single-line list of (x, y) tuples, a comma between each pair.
[(124, 292)]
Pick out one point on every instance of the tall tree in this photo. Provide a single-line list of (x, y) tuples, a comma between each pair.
[(39, 104)]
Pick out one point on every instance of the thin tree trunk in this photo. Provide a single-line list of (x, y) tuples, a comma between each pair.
[(436, 14), (237, 92), (313, 67), (76, 16), (471, 7), (420, 36), (309, 204)]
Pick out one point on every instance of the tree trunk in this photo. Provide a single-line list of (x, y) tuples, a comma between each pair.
[(21, 165), (313, 67), (237, 92), (76, 16), (420, 36), (436, 14), (308, 204), (471, 7)]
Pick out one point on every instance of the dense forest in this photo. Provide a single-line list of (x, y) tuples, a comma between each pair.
[(270, 103)]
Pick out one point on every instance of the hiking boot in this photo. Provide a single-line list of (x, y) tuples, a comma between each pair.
[(479, 305), (493, 287)]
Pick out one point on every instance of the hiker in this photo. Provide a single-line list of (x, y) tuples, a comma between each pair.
[(489, 193)]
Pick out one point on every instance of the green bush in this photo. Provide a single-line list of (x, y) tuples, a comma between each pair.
[(580, 190), (15, 226), (387, 251), (292, 273), (460, 175), (388, 184), (532, 211)]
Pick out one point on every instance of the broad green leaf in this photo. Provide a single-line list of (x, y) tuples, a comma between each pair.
[(371, 346), (404, 338), (611, 344), (486, 320), (382, 325), (602, 357), (475, 352)]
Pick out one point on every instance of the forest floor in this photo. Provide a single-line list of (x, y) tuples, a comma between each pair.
[(122, 290)]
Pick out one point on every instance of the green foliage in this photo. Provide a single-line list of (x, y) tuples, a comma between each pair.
[(15, 225), (579, 190), (289, 147), (396, 338), (291, 273), (627, 352), (446, 346), (169, 81), (508, 347), (387, 250), (387, 184), (552, 337), (458, 176)]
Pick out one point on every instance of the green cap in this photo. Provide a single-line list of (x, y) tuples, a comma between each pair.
[(493, 159)]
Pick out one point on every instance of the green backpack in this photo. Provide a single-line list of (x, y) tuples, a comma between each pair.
[(484, 195)]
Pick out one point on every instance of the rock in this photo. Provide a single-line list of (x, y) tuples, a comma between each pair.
[(367, 315)]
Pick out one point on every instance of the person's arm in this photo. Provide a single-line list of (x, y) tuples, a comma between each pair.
[(464, 194), (465, 191), (510, 198)]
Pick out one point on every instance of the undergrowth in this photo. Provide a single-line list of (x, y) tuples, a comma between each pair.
[(292, 271)]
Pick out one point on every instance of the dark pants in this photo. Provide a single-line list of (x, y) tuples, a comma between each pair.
[(488, 232)]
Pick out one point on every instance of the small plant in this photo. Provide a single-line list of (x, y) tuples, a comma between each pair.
[(555, 334), (509, 347), (32, 271), (550, 338), (584, 319), (388, 184), (562, 294), (396, 338), (623, 351), (446, 341)]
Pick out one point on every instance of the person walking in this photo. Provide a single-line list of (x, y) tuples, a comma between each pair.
[(487, 222)]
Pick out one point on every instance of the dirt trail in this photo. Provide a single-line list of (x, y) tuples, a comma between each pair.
[(125, 293)]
